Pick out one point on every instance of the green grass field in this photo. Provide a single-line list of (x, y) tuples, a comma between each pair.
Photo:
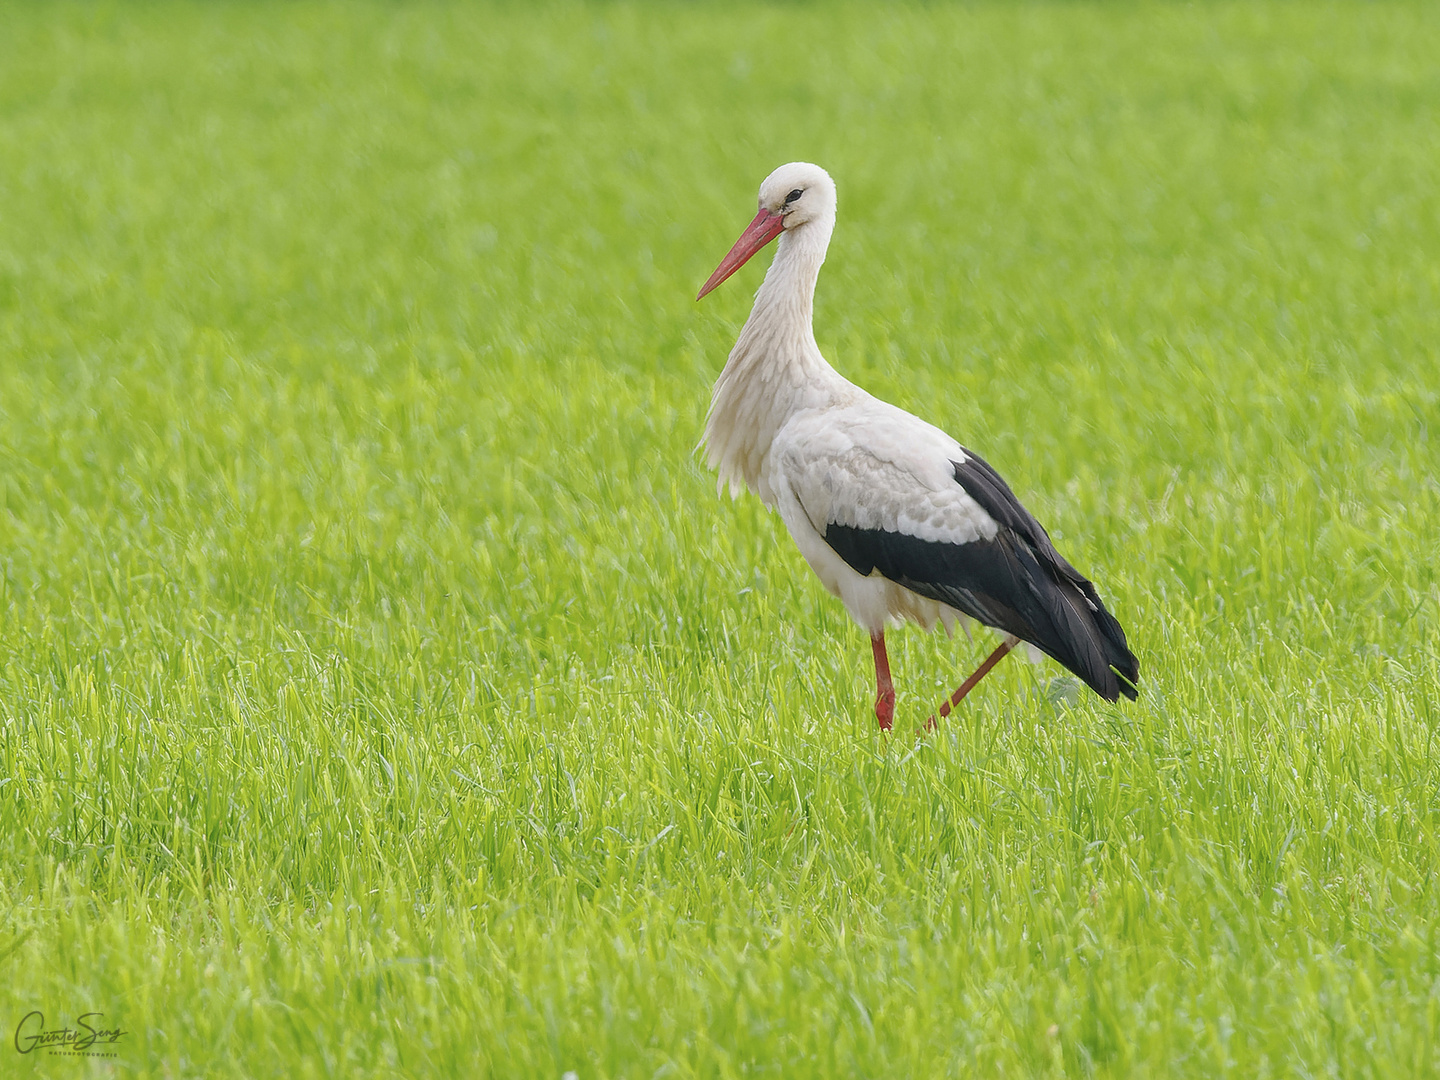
[(384, 690)]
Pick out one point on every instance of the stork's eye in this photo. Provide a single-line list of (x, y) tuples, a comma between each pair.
[(793, 196)]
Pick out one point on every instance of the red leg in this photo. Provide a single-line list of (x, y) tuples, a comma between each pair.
[(969, 684), (884, 688)]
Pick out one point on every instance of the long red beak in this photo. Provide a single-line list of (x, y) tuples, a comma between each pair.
[(757, 234)]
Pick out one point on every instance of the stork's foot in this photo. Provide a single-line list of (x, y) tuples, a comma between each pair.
[(969, 684), (884, 686), (885, 709)]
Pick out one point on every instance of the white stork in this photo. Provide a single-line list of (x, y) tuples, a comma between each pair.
[(897, 518)]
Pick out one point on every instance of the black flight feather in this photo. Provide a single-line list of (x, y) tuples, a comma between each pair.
[(1016, 582)]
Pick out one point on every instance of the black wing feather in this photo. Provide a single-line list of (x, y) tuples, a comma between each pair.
[(1016, 582)]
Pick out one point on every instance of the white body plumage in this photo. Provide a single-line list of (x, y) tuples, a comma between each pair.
[(789, 427)]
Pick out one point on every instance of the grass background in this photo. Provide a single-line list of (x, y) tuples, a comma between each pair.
[(384, 691)]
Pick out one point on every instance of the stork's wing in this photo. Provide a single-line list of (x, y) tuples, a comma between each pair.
[(893, 495)]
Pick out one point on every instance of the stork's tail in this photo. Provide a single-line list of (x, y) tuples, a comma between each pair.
[(1090, 641)]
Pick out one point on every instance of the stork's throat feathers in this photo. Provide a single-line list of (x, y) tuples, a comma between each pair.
[(775, 368)]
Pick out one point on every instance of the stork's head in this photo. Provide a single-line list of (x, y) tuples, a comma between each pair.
[(791, 197)]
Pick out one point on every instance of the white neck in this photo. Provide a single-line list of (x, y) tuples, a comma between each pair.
[(775, 368)]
